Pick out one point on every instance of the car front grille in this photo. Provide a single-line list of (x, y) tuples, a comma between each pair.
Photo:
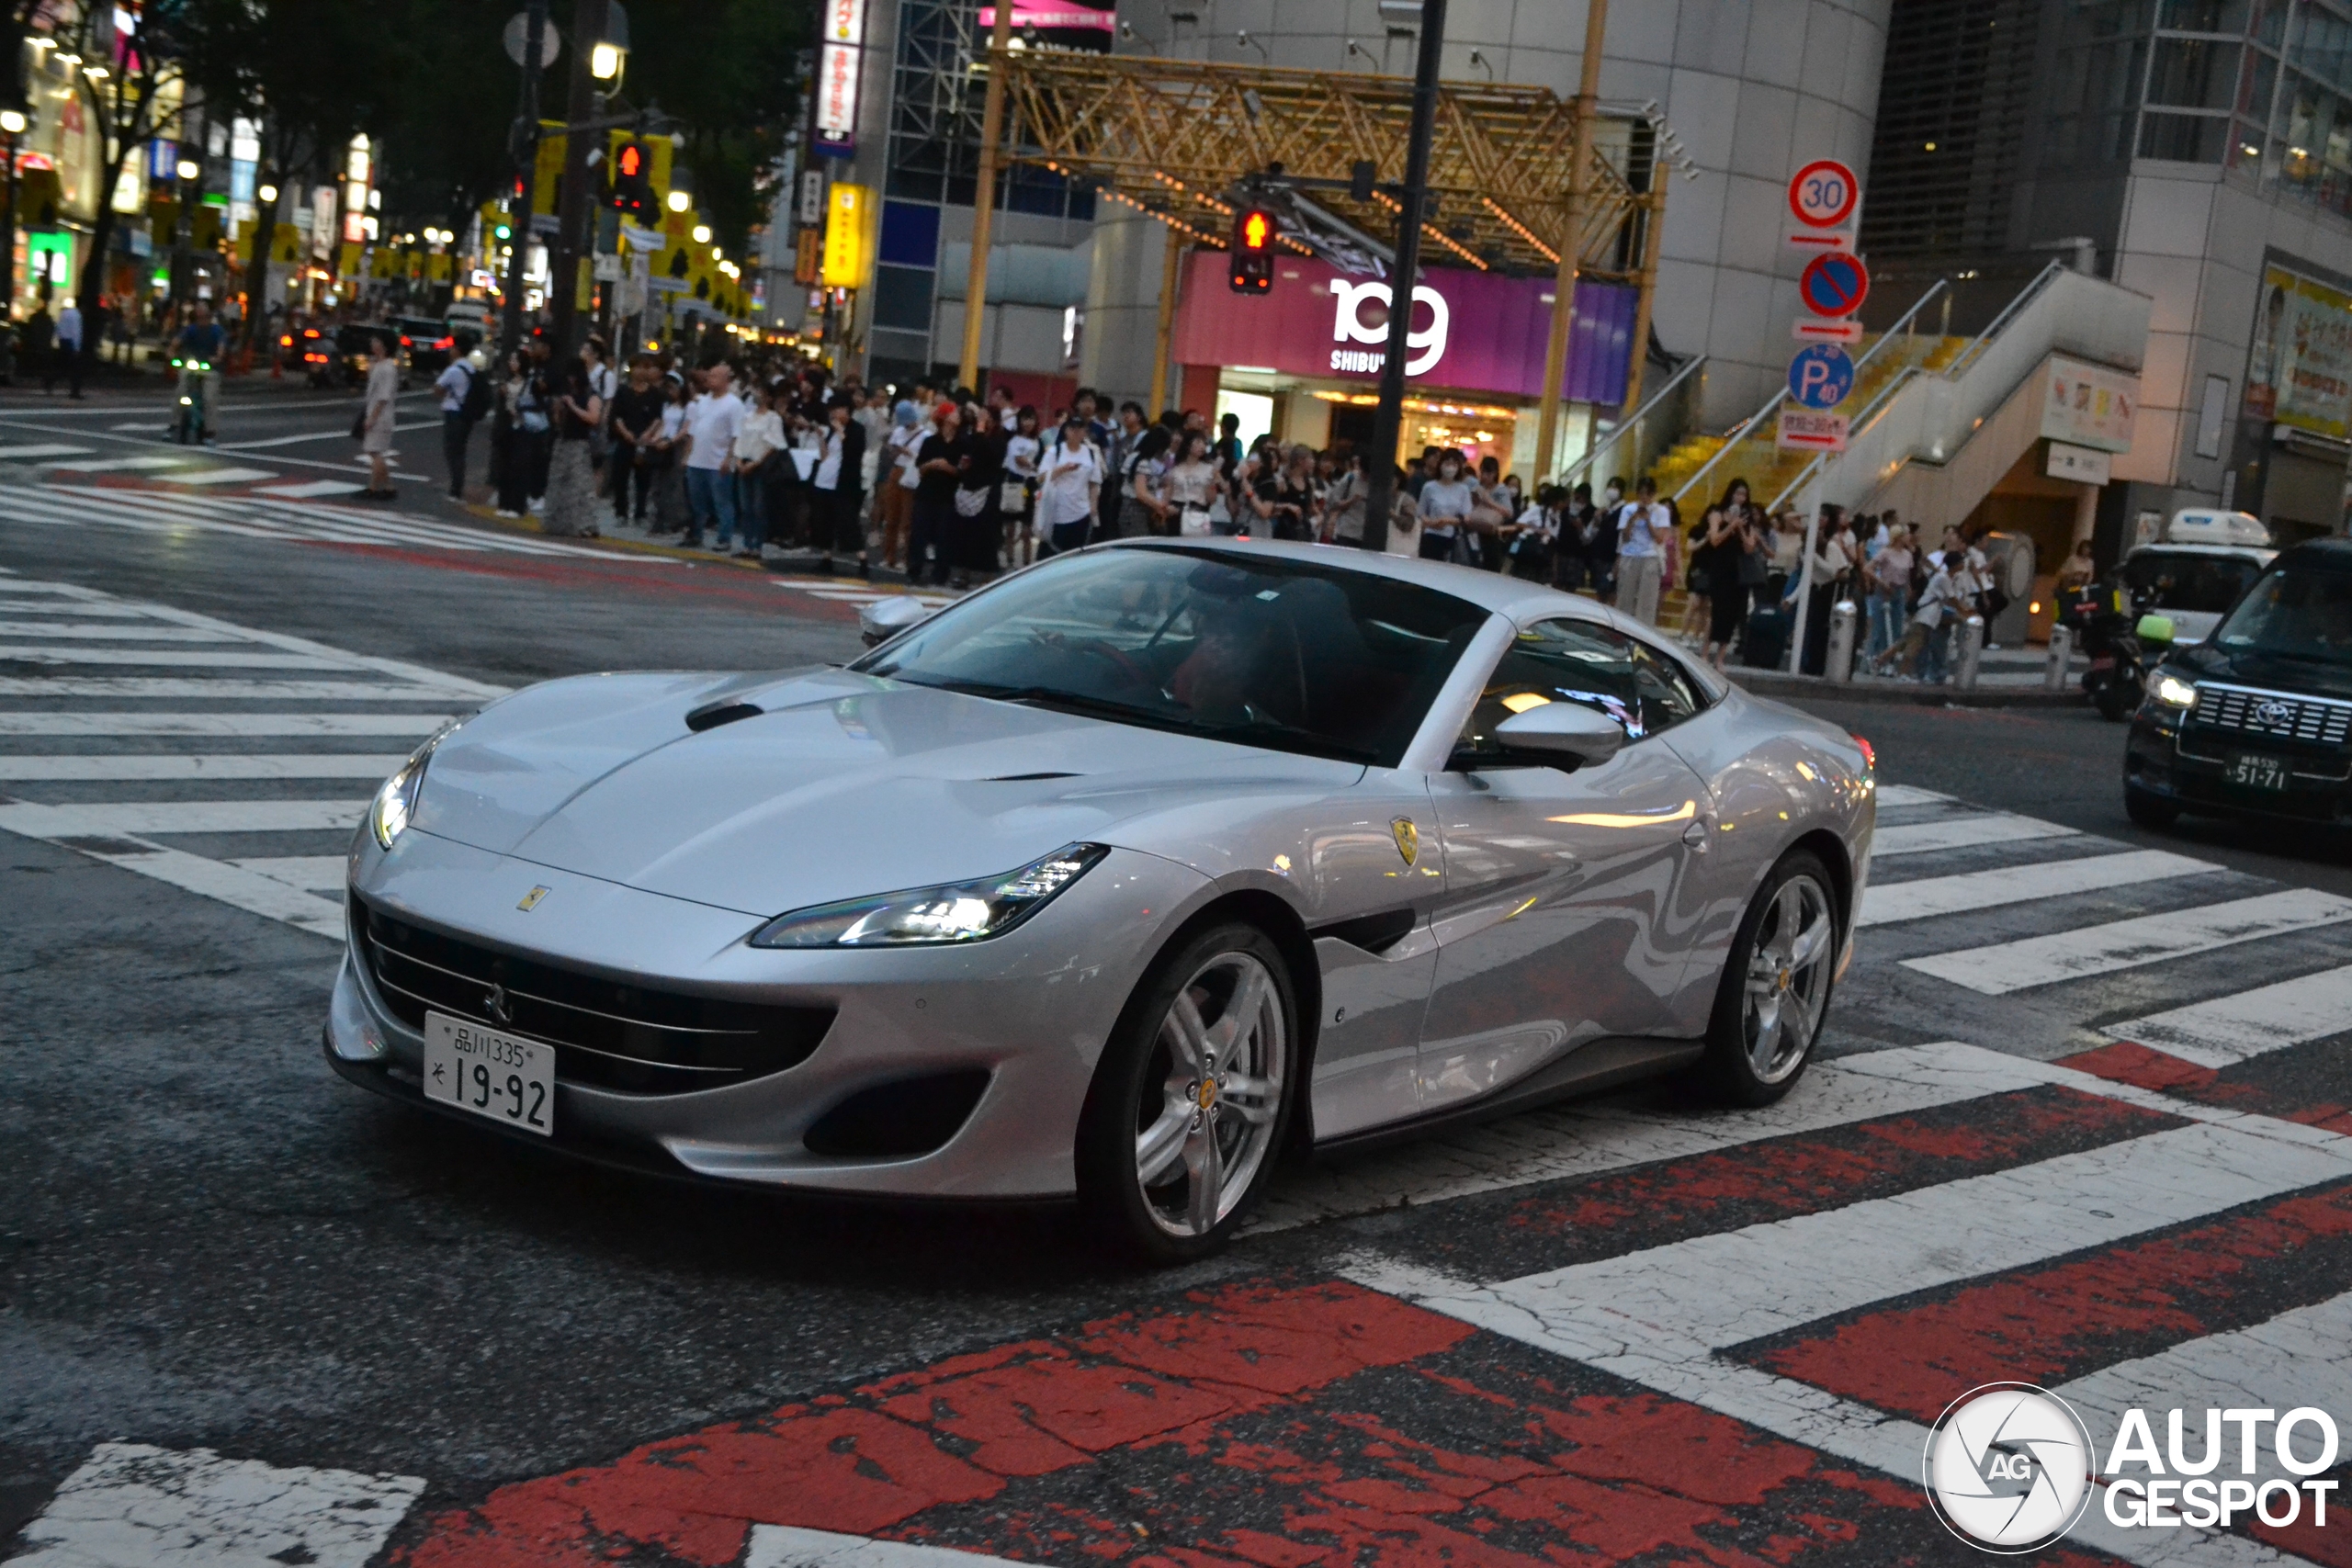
[(607, 1034), (2279, 716)]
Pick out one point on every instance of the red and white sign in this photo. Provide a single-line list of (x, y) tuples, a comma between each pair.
[(837, 70), (844, 22), (1824, 240), (1835, 284), (1808, 429), (1824, 194), (1812, 329), (1053, 17)]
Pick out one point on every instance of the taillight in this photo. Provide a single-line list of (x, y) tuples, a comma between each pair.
[(1870, 755)]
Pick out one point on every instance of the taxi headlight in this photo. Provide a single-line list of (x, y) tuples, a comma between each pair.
[(395, 801), (961, 911), (2174, 692)]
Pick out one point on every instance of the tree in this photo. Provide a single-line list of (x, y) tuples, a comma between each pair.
[(446, 124), (132, 85), (726, 70)]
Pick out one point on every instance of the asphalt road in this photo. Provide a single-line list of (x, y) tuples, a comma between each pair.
[(207, 1241)]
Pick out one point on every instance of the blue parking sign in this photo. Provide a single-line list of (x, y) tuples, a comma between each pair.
[(1821, 374)]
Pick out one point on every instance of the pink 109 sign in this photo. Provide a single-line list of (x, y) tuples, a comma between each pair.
[(1471, 332)]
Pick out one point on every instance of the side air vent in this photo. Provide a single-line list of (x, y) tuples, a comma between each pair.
[(899, 1121), (712, 715)]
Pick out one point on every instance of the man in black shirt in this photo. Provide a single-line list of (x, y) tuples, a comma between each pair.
[(636, 422)]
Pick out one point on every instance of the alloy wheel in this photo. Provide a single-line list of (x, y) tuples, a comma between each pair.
[(1218, 1063), (1788, 979)]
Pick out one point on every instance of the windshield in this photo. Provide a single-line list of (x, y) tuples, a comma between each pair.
[(1290, 655), (2298, 612), (2210, 584)]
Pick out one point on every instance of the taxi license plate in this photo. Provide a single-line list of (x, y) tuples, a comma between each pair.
[(2256, 771), (480, 1069)]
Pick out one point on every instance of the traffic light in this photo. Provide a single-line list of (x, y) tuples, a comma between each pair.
[(1252, 268), (633, 178)]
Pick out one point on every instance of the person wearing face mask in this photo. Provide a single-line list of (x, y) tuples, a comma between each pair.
[(1645, 530), (1445, 510)]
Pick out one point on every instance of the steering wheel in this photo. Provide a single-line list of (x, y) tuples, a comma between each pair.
[(1119, 660)]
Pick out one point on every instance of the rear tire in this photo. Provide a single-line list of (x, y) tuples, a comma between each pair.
[(1776, 985), (2150, 811), (1192, 1100)]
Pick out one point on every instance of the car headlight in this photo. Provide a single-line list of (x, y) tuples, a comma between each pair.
[(2174, 692), (961, 912), (395, 801)]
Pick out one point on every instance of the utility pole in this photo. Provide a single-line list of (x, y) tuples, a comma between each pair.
[(12, 126), (525, 143), (1388, 420), (976, 287), (1563, 287), (574, 205)]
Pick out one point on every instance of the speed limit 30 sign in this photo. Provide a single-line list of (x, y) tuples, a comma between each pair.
[(1824, 194)]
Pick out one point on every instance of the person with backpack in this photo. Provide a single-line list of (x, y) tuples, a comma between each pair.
[(465, 399)]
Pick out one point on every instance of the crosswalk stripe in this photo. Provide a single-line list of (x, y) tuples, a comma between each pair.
[(182, 765), (37, 449), (86, 512), (111, 632), (167, 818), (220, 476), (132, 1506), (315, 873), (1962, 832), (215, 724), (131, 686), (127, 465), (789, 1546), (1888, 903), (2002, 967), (310, 489), (207, 511), (2227, 1030), (1908, 795), (67, 607), (20, 653), (1587, 1139)]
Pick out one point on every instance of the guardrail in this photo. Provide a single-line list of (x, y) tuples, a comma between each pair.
[(1626, 427)]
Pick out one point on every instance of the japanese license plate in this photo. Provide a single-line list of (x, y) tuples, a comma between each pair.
[(502, 1076), (2256, 771)]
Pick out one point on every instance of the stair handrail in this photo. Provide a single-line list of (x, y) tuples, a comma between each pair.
[(1584, 464), (1861, 421), (1993, 329), (1777, 398)]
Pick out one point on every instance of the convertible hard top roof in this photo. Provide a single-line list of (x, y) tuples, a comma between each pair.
[(1492, 591)]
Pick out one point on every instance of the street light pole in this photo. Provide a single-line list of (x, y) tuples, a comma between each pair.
[(1388, 423), (572, 214), (12, 125), (526, 161)]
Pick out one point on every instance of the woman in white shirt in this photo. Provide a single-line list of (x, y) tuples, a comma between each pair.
[(1444, 509), (1021, 450), (757, 441), (1193, 485)]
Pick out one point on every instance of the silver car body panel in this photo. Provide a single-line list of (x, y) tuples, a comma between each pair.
[(1469, 929)]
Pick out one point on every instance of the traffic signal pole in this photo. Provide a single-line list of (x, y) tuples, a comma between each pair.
[(1563, 287), (1388, 420), (526, 159), (976, 284), (575, 225)]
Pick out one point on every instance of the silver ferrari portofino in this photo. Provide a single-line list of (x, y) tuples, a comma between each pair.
[(1116, 880)]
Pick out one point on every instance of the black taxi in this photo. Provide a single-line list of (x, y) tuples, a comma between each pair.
[(2256, 720)]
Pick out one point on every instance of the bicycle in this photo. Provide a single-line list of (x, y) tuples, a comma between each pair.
[(192, 425)]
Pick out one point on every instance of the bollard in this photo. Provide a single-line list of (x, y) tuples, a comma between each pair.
[(2061, 650), (1839, 664), (1970, 641)]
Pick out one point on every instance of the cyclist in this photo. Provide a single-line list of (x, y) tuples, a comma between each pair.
[(201, 342)]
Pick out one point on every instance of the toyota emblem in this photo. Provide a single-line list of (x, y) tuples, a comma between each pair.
[(2272, 714), (496, 1002)]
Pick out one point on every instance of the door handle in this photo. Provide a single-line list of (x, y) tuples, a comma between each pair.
[(1695, 835)]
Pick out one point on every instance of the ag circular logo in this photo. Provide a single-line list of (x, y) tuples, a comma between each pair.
[(2008, 1467)]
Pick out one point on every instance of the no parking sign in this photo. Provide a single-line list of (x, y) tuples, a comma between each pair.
[(1835, 284)]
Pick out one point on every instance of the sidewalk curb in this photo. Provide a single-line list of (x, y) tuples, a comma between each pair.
[(529, 524), (1774, 683)]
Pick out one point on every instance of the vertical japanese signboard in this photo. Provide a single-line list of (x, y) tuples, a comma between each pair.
[(840, 57)]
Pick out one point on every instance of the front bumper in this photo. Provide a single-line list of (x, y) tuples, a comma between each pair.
[(1031, 1009), (2187, 765)]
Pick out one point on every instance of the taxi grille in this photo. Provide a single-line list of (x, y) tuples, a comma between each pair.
[(607, 1034), (2274, 715)]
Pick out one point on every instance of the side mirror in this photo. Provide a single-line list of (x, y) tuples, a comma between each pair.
[(883, 619), (2153, 629), (1564, 734)]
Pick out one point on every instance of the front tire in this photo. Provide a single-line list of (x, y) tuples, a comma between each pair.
[(2150, 811), (1776, 985), (1193, 1098)]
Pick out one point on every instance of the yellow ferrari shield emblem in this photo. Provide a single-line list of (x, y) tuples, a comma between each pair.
[(1408, 839), (531, 900)]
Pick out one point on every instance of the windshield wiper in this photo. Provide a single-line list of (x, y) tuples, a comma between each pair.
[(1255, 729)]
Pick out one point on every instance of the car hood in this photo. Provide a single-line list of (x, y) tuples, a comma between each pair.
[(843, 785), (2306, 677)]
